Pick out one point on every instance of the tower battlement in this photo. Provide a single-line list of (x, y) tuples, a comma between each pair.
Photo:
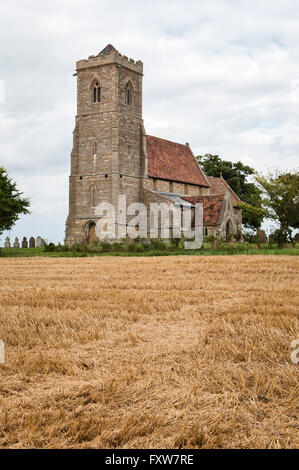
[(109, 55)]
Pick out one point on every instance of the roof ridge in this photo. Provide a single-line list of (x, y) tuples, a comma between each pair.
[(228, 186), (167, 140)]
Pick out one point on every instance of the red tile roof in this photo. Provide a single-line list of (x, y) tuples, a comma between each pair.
[(171, 161), (220, 186), (212, 206)]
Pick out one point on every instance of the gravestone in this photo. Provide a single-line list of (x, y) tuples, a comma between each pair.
[(273, 237), (16, 243), (7, 243), (24, 243), (38, 242), (32, 242), (261, 236)]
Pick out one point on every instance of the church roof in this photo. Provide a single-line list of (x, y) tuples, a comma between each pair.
[(109, 48), (212, 207), (172, 161), (220, 186)]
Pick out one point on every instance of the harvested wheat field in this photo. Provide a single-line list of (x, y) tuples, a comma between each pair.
[(169, 352)]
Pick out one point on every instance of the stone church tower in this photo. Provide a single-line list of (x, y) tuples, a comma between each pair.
[(108, 158)]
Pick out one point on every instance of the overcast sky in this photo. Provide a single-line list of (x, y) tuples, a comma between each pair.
[(222, 75)]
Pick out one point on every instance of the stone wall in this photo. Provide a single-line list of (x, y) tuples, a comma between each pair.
[(229, 215), (184, 189)]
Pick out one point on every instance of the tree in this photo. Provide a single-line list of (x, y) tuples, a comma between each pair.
[(281, 200), (237, 175), (12, 204)]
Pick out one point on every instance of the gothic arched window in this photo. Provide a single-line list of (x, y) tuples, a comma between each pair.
[(129, 93), (96, 93)]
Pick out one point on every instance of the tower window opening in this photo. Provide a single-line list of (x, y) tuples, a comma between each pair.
[(128, 96), (129, 93), (96, 93)]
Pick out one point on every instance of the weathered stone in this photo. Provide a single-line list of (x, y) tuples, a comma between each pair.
[(16, 243), (32, 242), (24, 243), (261, 236), (109, 156), (38, 242), (7, 243)]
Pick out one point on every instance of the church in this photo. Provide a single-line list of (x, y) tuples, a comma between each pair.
[(112, 155)]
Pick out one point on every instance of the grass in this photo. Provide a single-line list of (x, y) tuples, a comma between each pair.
[(206, 250), (175, 352)]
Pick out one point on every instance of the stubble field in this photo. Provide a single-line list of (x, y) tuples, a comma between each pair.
[(174, 352)]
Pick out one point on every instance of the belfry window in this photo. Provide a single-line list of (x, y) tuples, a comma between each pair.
[(129, 93), (96, 93)]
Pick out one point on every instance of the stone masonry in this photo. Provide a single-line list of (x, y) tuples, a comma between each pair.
[(109, 156)]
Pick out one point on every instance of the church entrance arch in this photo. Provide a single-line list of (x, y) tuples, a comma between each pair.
[(91, 234)]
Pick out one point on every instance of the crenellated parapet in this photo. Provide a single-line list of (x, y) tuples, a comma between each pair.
[(109, 55)]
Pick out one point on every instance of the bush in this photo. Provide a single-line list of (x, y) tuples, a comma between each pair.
[(238, 236), (135, 247), (104, 247), (49, 247), (249, 236), (211, 239), (176, 243), (157, 244)]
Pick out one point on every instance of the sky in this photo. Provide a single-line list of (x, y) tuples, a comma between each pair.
[(222, 75)]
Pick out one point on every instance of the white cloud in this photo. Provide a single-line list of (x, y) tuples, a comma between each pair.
[(220, 74)]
